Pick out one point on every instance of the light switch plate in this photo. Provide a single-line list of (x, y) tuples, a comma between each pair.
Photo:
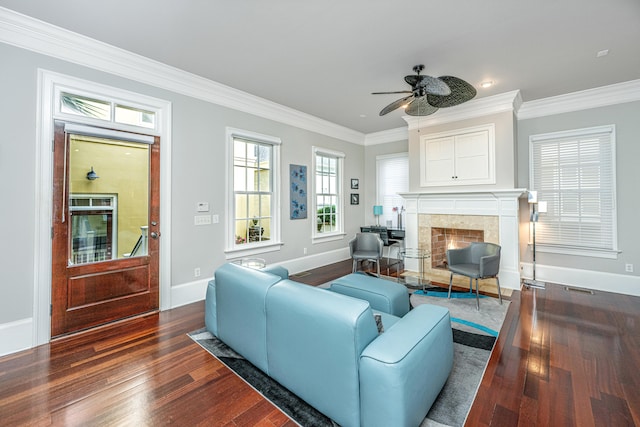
[(202, 219), (202, 207)]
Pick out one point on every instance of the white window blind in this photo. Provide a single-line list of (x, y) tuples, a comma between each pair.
[(392, 178), (574, 172)]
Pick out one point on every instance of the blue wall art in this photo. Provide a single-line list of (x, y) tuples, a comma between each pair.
[(298, 191)]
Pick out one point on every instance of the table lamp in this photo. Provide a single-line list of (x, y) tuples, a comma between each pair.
[(377, 211)]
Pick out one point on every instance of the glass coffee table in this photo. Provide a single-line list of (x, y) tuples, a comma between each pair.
[(420, 255), (255, 263)]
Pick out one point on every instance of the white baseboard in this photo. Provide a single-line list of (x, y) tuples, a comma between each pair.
[(16, 336), (589, 279), (187, 293), (309, 262)]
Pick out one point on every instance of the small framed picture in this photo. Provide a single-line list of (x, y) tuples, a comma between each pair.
[(355, 199), (355, 183)]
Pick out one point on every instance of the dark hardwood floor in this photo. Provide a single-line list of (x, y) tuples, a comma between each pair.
[(563, 358)]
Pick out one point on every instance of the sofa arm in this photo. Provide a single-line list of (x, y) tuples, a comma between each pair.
[(277, 270), (210, 310), (404, 369)]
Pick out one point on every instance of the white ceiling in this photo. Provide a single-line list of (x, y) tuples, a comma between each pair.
[(325, 58)]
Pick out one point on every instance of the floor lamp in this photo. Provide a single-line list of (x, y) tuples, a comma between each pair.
[(536, 208)]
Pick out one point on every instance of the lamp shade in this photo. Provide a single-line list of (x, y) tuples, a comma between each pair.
[(377, 210)]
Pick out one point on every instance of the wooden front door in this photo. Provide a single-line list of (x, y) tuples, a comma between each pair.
[(106, 226)]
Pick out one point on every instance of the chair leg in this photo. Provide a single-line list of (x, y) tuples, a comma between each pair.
[(499, 293), (477, 297), (378, 267), (470, 285), (450, 283), (353, 267)]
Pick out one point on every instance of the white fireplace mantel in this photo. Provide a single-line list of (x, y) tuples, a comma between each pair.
[(496, 202)]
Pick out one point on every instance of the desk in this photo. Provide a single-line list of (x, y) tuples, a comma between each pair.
[(388, 235), (420, 255)]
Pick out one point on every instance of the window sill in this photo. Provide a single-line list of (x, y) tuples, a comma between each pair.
[(567, 250), (328, 238), (252, 249)]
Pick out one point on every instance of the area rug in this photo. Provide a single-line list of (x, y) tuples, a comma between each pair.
[(474, 334), (473, 339)]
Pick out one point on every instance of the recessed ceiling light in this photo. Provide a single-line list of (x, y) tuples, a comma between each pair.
[(486, 84), (601, 53)]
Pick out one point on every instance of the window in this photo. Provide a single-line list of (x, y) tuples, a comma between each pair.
[(392, 177), (71, 103), (574, 172), (327, 166), (94, 221), (254, 196)]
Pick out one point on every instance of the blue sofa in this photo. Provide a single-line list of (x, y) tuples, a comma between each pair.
[(325, 347)]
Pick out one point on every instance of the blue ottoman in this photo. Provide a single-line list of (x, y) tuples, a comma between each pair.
[(383, 295)]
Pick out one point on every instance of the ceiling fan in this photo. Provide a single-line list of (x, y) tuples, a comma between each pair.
[(428, 94)]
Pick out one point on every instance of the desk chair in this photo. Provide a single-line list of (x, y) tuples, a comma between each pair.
[(366, 246)]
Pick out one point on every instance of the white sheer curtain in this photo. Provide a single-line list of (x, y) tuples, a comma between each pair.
[(392, 177)]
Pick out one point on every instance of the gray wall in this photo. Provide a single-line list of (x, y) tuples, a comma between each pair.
[(198, 174), (626, 117)]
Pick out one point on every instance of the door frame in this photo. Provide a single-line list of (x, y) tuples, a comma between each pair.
[(48, 83)]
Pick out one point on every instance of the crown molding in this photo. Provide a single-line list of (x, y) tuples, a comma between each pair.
[(390, 135), (618, 93), (31, 34), (508, 101)]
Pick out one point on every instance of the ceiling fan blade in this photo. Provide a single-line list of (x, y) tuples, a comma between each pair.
[(461, 91), (420, 107), (413, 79), (430, 84), (386, 93), (395, 104), (434, 86)]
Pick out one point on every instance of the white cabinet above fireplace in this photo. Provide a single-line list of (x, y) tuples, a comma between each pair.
[(458, 157)]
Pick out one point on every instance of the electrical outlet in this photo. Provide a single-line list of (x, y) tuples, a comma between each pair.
[(304, 251), (628, 268), (196, 272)]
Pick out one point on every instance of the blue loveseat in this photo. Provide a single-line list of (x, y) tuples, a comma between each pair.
[(325, 346)]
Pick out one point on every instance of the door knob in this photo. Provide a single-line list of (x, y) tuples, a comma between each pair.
[(154, 235)]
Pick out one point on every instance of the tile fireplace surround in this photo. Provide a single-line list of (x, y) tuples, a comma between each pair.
[(493, 211)]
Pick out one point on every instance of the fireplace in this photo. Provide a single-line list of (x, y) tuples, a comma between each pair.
[(491, 215), (443, 238)]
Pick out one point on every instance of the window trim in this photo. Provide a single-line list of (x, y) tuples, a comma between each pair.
[(573, 250), (254, 248), (339, 233)]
